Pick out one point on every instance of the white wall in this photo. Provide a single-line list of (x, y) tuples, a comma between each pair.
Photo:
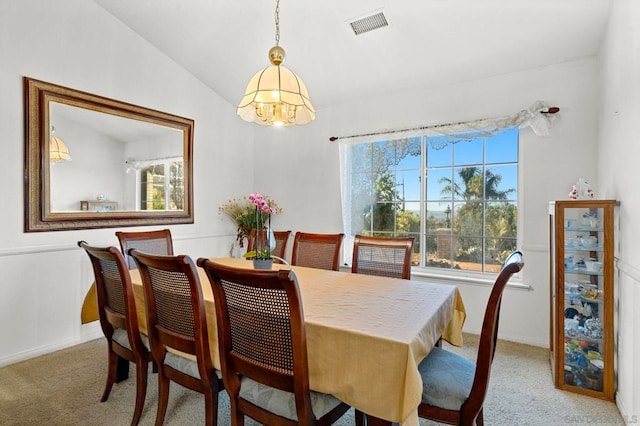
[(96, 167), (300, 166), (618, 154), (75, 43)]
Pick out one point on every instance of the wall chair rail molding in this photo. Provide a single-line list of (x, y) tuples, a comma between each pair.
[(628, 269), (104, 136)]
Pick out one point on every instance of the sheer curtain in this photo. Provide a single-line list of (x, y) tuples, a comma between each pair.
[(537, 117)]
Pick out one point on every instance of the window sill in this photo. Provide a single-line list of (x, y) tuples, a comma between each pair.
[(472, 279), (460, 278)]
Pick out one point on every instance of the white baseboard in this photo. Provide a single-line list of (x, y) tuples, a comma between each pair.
[(515, 339), (626, 416), (43, 350), (525, 341)]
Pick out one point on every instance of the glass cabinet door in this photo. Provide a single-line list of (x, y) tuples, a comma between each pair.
[(583, 294), (584, 297)]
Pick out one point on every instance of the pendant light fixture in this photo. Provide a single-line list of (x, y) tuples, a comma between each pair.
[(58, 151), (276, 96)]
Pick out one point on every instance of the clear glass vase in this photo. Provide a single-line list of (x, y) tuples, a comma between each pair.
[(265, 243)]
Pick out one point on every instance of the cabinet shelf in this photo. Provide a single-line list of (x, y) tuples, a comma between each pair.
[(583, 229), (568, 241), (577, 248), (591, 300), (582, 336), (582, 271)]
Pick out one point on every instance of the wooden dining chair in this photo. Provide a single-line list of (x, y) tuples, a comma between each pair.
[(320, 251), (178, 332), (454, 388), (281, 237), (119, 322), (263, 349), (382, 256), (154, 242)]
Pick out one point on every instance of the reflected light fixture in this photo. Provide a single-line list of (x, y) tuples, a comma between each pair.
[(58, 151), (276, 96)]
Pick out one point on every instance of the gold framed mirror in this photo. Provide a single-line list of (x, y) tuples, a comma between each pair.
[(95, 162)]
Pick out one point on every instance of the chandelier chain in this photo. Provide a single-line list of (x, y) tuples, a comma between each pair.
[(277, 22)]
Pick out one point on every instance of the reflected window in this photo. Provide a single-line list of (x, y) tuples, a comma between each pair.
[(162, 186)]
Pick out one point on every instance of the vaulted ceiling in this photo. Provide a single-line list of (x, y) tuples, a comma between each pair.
[(426, 43)]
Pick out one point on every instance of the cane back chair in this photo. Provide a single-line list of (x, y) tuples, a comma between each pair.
[(382, 256), (154, 242), (320, 251), (119, 322), (177, 327), (263, 350), (454, 388)]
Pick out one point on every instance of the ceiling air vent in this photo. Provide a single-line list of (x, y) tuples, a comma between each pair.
[(368, 23)]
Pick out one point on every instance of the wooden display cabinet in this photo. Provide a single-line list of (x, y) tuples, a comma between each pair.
[(582, 234)]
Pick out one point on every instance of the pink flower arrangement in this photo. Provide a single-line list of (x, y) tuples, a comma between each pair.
[(262, 203), (264, 210)]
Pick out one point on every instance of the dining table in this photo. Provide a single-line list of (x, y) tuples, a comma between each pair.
[(365, 334)]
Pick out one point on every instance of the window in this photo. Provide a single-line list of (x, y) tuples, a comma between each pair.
[(463, 215), (162, 186)]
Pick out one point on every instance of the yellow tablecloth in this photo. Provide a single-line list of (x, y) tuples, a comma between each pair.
[(366, 335)]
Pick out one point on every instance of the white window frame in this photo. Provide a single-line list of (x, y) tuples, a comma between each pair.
[(166, 162), (422, 270)]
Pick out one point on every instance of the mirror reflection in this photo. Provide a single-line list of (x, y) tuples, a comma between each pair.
[(115, 163)]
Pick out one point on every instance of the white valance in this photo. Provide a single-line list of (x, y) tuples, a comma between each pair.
[(132, 164), (539, 117)]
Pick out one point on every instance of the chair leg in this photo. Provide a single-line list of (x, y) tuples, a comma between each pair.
[(376, 421), (163, 398), (359, 418), (141, 389), (211, 407), (111, 374), (122, 369), (237, 418), (480, 419)]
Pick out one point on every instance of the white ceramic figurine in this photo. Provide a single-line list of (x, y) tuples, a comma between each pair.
[(581, 190)]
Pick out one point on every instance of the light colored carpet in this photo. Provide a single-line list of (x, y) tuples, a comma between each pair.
[(64, 388)]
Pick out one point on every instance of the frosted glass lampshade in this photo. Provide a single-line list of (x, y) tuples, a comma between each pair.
[(276, 96), (58, 151)]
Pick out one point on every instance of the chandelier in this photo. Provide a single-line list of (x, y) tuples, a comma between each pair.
[(58, 151), (276, 96)]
